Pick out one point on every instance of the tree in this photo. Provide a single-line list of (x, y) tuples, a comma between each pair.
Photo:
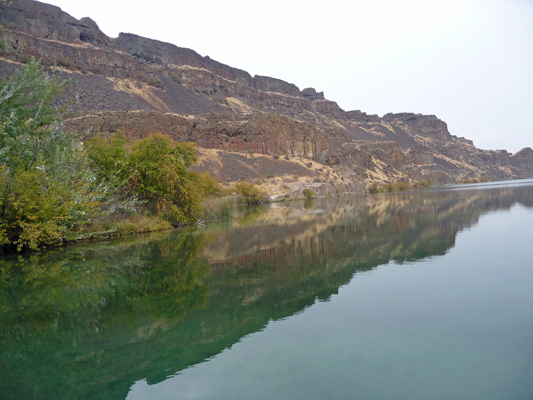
[(29, 132), (46, 191), (161, 176), (155, 169)]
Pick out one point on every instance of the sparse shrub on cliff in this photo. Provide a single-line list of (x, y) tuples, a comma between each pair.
[(149, 80), (387, 188), (177, 79), (250, 193), (2, 43), (308, 193), (373, 188), (397, 187), (402, 186), (62, 63), (423, 184), (156, 83), (25, 58), (476, 180)]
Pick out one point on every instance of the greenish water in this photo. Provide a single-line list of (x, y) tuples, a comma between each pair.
[(410, 296)]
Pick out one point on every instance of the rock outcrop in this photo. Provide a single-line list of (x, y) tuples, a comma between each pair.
[(141, 86)]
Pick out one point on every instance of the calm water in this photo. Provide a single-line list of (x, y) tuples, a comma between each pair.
[(413, 296)]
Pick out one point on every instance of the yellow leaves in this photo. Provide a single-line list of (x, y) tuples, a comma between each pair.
[(39, 211)]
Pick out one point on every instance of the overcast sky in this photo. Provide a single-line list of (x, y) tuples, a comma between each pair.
[(469, 62)]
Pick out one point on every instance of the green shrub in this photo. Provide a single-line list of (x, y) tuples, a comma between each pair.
[(373, 188), (161, 176), (108, 156), (308, 193), (387, 188), (250, 193), (209, 185), (402, 186), (46, 187), (149, 80)]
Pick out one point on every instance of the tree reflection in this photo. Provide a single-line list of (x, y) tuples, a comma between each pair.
[(56, 308), (89, 321)]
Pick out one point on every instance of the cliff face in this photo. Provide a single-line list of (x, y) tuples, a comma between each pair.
[(141, 86)]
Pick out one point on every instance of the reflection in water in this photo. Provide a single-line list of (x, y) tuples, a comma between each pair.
[(89, 321), (78, 323)]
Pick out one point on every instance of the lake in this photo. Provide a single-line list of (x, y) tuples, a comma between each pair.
[(420, 295)]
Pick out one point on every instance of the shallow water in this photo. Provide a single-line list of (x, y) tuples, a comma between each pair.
[(411, 296)]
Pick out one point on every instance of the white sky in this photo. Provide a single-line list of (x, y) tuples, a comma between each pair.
[(470, 62)]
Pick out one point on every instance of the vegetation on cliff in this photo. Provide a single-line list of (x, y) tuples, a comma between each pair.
[(397, 187), (54, 187)]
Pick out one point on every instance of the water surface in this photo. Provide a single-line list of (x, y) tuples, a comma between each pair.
[(413, 296)]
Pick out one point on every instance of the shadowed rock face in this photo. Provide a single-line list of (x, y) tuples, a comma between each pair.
[(140, 86)]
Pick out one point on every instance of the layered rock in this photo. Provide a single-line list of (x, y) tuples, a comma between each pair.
[(141, 86)]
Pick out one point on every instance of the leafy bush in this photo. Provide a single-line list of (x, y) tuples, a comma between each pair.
[(156, 170), (149, 80), (161, 176), (210, 186), (308, 193), (402, 186), (46, 189), (387, 188), (55, 188), (29, 131), (37, 209), (373, 188), (108, 156), (250, 193)]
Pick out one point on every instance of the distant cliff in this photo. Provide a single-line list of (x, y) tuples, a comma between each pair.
[(141, 86)]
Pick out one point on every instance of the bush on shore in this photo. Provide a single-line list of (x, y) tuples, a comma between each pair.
[(250, 194), (56, 186), (397, 187)]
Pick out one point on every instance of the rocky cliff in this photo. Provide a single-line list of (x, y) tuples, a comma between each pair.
[(141, 86)]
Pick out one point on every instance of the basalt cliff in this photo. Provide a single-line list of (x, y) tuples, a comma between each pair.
[(246, 127)]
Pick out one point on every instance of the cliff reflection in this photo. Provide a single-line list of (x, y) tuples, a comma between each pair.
[(89, 321)]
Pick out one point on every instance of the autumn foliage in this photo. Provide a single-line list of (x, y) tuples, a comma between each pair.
[(55, 185), (156, 170)]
